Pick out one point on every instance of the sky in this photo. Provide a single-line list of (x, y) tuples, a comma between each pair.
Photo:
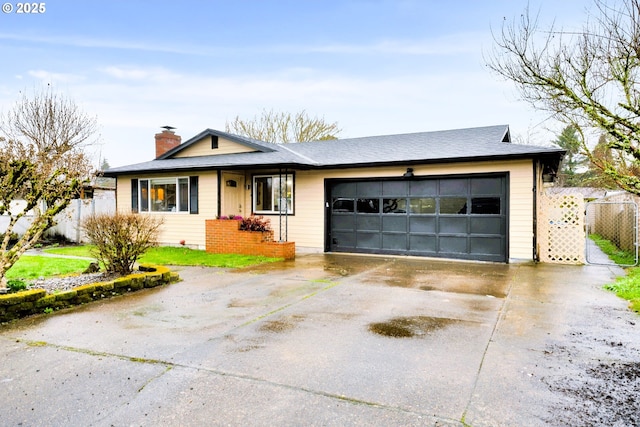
[(374, 67)]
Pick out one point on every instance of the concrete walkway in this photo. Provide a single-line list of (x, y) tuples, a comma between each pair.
[(303, 343)]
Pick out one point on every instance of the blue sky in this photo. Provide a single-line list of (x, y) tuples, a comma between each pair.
[(375, 67)]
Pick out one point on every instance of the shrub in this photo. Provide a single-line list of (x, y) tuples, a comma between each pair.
[(255, 223), (16, 285), (121, 238)]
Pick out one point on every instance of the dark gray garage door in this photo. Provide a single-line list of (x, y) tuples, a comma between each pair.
[(454, 217)]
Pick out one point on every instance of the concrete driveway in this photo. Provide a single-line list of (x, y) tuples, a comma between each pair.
[(325, 340)]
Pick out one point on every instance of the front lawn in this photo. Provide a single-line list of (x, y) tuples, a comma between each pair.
[(172, 255), (32, 267)]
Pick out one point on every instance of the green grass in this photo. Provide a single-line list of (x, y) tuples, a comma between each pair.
[(83, 250), (627, 286), (32, 267), (170, 255), (616, 255)]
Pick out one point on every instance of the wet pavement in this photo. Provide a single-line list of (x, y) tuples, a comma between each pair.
[(326, 340)]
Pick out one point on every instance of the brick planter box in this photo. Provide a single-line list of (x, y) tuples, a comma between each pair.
[(223, 236)]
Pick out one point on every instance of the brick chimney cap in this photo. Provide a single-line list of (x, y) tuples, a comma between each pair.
[(169, 128)]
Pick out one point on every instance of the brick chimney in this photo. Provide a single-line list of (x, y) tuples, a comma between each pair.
[(166, 140)]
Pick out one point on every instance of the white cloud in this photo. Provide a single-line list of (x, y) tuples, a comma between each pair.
[(155, 74), (48, 77)]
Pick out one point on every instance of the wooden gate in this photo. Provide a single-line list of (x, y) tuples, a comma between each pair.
[(561, 228)]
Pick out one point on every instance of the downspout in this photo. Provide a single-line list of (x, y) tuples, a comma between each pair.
[(286, 212), (280, 204), (536, 167), (219, 173)]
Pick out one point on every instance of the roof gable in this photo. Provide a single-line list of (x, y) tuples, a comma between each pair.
[(225, 143)]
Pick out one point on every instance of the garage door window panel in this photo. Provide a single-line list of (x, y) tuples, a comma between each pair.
[(453, 205), (394, 206), (343, 205), (368, 205), (422, 205), (486, 206)]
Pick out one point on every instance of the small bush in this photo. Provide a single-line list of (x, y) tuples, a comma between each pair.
[(255, 223), (16, 285), (120, 239)]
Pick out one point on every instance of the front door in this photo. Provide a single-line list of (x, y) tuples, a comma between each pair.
[(232, 194)]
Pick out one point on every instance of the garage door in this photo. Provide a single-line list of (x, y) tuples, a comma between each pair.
[(453, 217)]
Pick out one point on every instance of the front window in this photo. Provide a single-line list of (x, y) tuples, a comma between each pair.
[(273, 194), (164, 195)]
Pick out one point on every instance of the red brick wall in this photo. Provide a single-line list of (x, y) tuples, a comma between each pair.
[(223, 236), (165, 141)]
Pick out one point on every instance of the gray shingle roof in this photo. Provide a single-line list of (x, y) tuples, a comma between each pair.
[(483, 143)]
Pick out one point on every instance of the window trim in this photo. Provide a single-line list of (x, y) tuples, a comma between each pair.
[(141, 200), (254, 195)]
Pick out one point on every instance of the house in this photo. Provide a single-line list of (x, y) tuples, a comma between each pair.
[(465, 194)]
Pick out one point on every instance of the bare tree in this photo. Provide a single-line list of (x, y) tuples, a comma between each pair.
[(586, 79), (283, 127), (42, 166)]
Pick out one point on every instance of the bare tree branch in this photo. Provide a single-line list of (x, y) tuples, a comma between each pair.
[(586, 79), (284, 127)]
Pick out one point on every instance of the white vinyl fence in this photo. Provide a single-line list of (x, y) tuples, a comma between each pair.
[(68, 221)]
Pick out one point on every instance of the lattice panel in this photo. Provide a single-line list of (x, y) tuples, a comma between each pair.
[(561, 235)]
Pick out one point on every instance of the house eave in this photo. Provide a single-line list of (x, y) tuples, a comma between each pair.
[(551, 155)]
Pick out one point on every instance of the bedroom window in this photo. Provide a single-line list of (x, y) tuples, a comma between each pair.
[(273, 194)]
